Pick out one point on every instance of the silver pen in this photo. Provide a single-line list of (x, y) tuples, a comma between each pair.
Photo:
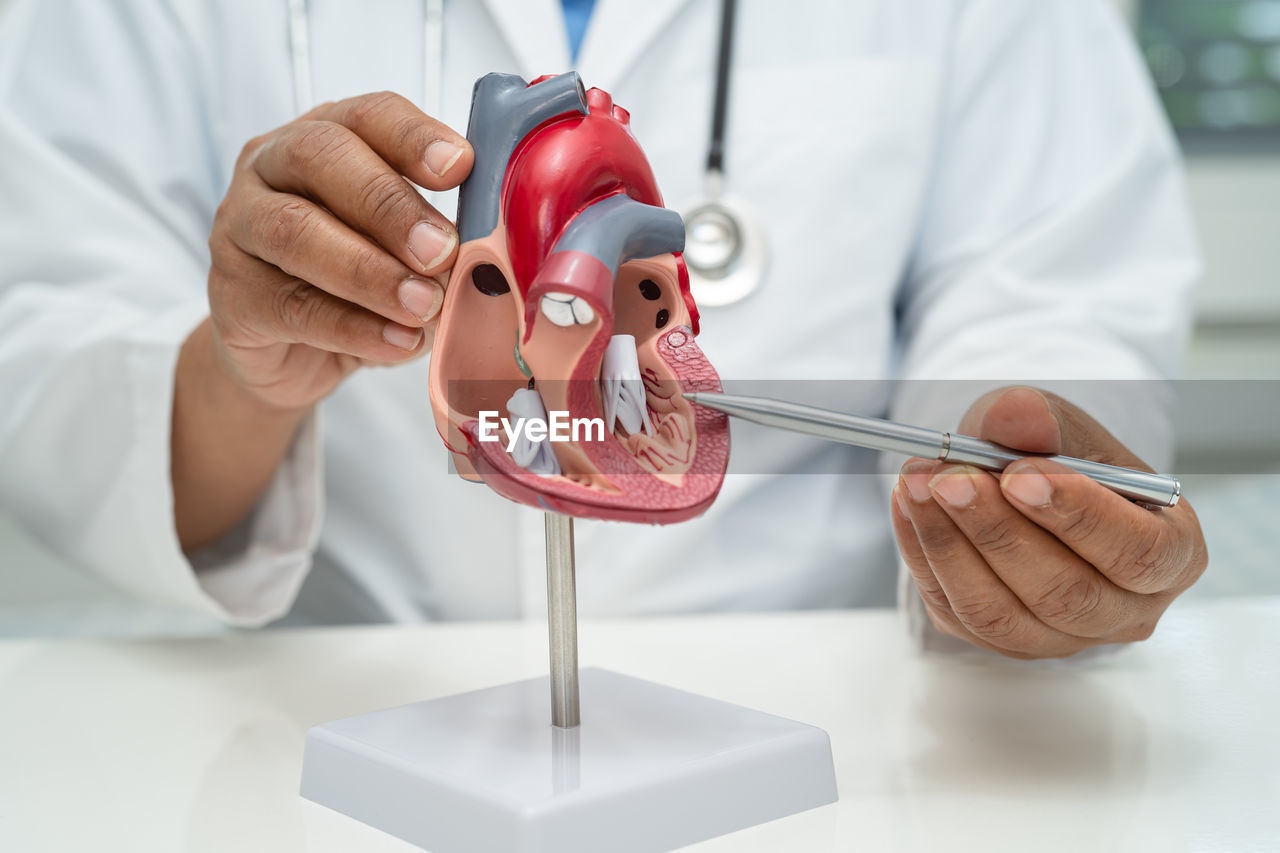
[(876, 434)]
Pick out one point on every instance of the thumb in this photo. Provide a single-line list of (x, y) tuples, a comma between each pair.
[(1036, 421)]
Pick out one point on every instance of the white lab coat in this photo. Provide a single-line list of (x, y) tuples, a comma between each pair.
[(981, 190)]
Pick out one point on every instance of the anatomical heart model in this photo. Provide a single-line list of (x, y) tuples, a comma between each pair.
[(570, 300)]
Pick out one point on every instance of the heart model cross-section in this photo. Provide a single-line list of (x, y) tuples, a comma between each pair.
[(569, 305)]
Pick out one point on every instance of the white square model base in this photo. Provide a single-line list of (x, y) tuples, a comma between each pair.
[(650, 768)]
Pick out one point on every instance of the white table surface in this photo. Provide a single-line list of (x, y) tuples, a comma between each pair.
[(196, 744)]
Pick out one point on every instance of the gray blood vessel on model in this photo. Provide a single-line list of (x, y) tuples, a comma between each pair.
[(504, 110)]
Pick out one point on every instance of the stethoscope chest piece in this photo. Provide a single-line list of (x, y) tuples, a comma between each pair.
[(725, 251)]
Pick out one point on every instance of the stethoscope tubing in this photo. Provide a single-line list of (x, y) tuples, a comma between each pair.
[(726, 249), (724, 70)]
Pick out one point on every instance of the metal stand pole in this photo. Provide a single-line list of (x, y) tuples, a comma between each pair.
[(562, 621)]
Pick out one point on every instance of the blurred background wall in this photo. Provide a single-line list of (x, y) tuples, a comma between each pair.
[(1217, 66)]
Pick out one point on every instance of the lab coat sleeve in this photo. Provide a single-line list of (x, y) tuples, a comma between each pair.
[(108, 182), (1056, 246)]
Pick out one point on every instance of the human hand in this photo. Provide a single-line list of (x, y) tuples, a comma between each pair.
[(324, 256), (1040, 561)]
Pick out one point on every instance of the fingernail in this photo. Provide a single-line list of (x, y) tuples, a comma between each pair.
[(401, 336), (420, 298), (441, 155), (1027, 485), (955, 487), (901, 502), (918, 485), (430, 245)]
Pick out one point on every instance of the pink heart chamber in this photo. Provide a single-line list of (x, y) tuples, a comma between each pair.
[(566, 250)]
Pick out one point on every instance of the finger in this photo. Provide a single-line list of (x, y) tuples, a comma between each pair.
[(309, 243), (279, 307), (1056, 584), (982, 603), (935, 601), (416, 145), (931, 593), (1039, 421), (330, 163), (1136, 548), (1015, 416)]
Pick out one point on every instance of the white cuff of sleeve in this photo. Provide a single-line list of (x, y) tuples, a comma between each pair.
[(254, 572), (252, 575)]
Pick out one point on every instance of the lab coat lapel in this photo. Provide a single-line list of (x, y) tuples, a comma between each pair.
[(535, 31), (617, 35)]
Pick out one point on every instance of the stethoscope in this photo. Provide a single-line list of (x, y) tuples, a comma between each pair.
[(725, 247)]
